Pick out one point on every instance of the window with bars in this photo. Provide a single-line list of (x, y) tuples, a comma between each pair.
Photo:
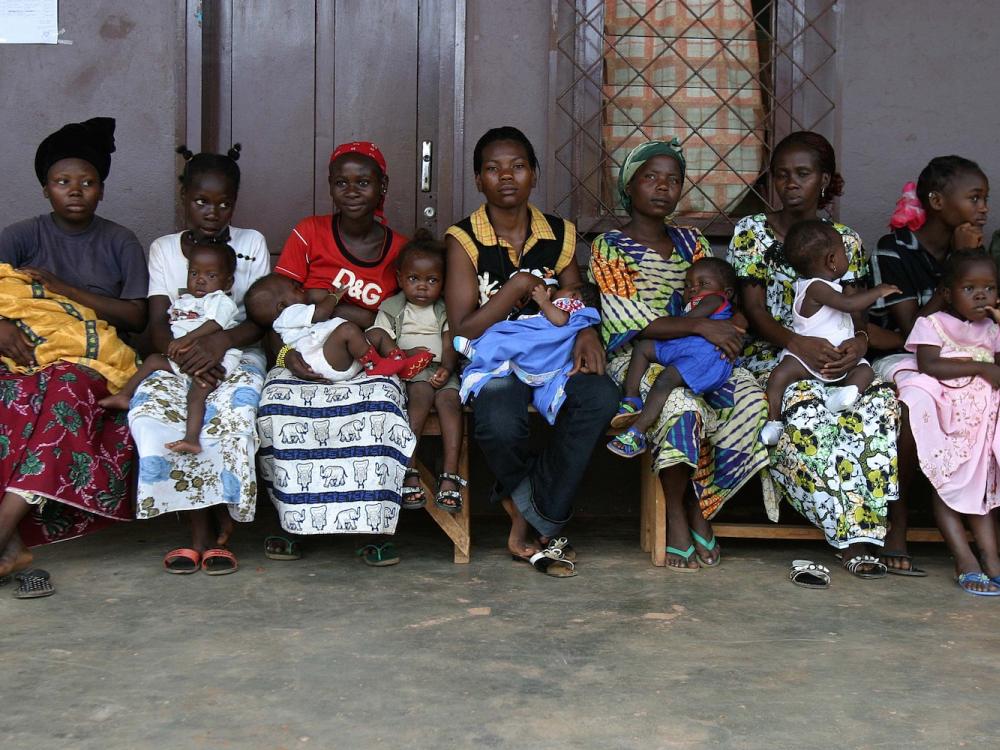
[(728, 78)]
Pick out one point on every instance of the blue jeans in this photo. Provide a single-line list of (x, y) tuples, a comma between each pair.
[(542, 486)]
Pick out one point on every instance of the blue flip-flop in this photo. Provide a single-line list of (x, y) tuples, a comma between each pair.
[(709, 546), (966, 578), (629, 444)]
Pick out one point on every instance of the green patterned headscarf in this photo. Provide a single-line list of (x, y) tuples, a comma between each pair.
[(639, 156)]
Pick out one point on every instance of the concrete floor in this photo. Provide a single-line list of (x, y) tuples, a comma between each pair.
[(327, 653)]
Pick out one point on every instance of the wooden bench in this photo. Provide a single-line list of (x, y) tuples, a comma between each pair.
[(652, 513)]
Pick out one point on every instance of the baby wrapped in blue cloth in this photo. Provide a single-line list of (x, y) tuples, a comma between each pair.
[(537, 349)]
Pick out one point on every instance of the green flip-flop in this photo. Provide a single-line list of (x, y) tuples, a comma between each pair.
[(379, 555), (709, 546), (686, 555)]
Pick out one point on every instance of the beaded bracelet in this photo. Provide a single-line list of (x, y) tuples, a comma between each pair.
[(279, 361)]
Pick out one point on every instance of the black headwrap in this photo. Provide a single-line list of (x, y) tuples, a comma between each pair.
[(93, 141)]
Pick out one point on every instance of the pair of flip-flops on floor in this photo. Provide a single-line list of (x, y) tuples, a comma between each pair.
[(557, 559), (32, 583), (215, 562), (375, 555)]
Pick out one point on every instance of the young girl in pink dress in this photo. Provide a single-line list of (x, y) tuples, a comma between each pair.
[(954, 404)]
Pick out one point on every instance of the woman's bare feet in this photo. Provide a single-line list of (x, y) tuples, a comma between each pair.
[(184, 446), (15, 556), (118, 401), (703, 528), (518, 543)]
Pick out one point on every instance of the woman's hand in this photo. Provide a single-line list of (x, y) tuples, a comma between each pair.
[(203, 362), (47, 279), (588, 354), (298, 367), (967, 236), (725, 334), (848, 355), (177, 347), (817, 353), (14, 344)]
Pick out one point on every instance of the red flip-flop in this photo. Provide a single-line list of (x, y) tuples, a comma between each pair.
[(182, 561), (219, 562)]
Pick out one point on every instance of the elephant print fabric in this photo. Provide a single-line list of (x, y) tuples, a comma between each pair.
[(332, 457)]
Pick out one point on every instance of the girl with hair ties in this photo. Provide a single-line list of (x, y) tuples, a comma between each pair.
[(838, 470), (219, 484), (705, 446)]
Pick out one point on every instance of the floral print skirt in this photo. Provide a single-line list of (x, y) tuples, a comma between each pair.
[(70, 458), (224, 472), (839, 470)]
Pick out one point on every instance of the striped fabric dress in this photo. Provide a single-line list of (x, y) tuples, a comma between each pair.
[(716, 433)]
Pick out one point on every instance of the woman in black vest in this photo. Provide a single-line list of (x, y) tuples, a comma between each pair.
[(488, 253)]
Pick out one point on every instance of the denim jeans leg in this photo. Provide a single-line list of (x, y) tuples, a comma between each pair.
[(591, 401), (503, 432)]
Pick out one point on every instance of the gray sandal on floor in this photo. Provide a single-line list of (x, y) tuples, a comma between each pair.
[(809, 575)]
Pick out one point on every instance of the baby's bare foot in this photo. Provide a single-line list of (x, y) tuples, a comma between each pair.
[(117, 401), (184, 446)]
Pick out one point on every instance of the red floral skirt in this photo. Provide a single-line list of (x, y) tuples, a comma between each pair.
[(56, 443)]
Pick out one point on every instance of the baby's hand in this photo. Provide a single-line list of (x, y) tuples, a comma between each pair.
[(338, 292), (177, 347), (884, 290), (439, 378), (540, 294)]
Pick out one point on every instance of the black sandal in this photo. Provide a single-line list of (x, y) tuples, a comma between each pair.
[(412, 498), (443, 497), (33, 584)]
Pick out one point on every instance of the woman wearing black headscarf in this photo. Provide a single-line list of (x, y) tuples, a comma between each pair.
[(71, 281)]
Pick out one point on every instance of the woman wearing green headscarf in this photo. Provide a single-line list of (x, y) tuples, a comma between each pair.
[(704, 447)]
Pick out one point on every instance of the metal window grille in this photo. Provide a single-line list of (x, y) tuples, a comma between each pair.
[(729, 78)]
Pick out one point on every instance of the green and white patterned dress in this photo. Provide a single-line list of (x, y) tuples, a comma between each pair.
[(838, 470)]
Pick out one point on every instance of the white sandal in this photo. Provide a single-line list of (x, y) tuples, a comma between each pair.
[(809, 575)]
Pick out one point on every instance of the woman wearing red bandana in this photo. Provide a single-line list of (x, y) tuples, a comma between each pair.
[(333, 456)]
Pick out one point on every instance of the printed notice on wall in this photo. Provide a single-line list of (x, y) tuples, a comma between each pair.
[(29, 21)]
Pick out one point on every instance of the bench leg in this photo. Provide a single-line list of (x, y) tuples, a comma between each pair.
[(455, 525), (653, 512)]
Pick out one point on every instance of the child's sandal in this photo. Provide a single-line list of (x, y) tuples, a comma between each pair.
[(629, 444), (412, 498), (450, 501), (628, 412)]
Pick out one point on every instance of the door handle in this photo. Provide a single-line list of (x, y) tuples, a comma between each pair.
[(425, 167)]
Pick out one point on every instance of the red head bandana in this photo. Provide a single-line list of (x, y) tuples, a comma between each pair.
[(369, 149)]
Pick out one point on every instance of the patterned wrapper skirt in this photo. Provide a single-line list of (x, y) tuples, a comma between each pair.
[(223, 473), (66, 455), (716, 434), (333, 456)]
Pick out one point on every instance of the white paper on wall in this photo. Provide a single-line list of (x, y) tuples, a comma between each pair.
[(29, 21)]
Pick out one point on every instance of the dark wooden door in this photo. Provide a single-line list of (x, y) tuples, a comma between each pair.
[(292, 80)]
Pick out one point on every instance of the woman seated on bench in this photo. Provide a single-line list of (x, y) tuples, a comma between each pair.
[(486, 252), (705, 443)]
